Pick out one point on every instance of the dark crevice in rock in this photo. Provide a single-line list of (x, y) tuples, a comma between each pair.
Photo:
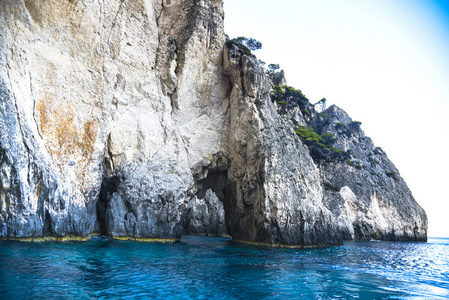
[(2, 153), (129, 207), (206, 214), (109, 158), (243, 208), (47, 231), (108, 187), (215, 180), (43, 194)]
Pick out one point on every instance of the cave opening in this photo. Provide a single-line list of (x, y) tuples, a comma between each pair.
[(108, 187), (47, 230), (216, 181), (206, 214)]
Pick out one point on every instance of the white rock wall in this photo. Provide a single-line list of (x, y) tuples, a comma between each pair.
[(85, 80)]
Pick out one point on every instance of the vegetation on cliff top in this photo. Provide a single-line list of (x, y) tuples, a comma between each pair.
[(321, 145), (245, 44)]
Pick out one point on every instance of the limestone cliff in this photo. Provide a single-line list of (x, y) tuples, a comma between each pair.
[(133, 119), (373, 200)]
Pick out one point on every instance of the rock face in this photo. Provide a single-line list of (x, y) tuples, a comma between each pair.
[(373, 201), (273, 189), (135, 119)]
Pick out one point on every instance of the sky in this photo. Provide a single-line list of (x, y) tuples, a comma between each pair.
[(385, 62)]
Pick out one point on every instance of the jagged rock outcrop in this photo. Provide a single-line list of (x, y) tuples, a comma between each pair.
[(366, 193), (274, 189), (362, 187), (133, 119)]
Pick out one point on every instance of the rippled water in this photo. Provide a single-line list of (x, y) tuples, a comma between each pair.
[(205, 268)]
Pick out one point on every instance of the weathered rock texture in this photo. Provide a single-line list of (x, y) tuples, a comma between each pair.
[(273, 189), (373, 201), (133, 119)]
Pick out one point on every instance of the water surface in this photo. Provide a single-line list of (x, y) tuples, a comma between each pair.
[(205, 268)]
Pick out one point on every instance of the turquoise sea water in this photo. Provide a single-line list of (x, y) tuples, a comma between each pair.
[(217, 268)]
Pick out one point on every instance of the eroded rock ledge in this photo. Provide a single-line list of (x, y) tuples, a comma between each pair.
[(134, 120)]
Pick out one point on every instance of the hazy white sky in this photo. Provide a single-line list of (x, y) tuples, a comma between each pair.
[(386, 62)]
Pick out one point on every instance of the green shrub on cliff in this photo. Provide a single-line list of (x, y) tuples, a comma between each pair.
[(273, 67), (278, 89), (342, 129), (337, 150), (308, 134), (310, 137), (307, 112), (295, 95), (351, 163), (320, 146), (245, 44), (291, 95)]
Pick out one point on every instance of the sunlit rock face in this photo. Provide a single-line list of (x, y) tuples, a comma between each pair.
[(373, 202), (274, 189), (134, 119), (111, 113)]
